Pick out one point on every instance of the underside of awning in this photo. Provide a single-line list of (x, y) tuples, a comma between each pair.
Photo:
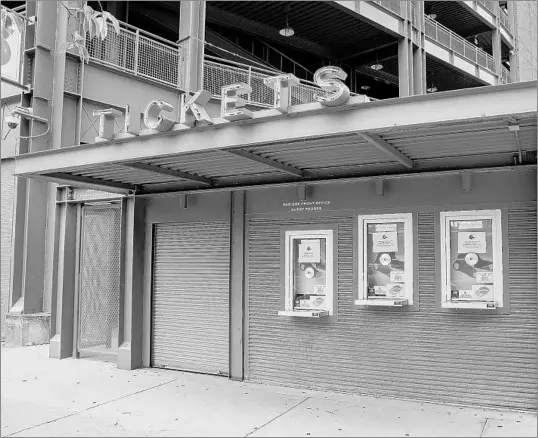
[(388, 141)]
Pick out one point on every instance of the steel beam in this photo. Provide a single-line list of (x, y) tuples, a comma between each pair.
[(171, 172), (267, 161), (103, 184), (308, 121), (387, 149), (215, 15)]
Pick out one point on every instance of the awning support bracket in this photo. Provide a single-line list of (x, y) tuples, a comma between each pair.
[(387, 148), (171, 172), (267, 161)]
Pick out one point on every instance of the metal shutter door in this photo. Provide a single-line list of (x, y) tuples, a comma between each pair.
[(477, 358), (191, 297)]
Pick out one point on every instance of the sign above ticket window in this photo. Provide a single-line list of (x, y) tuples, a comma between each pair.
[(333, 92)]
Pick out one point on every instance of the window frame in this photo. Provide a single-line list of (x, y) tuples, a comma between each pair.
[(310, 233), (495, 215), (362, 259)]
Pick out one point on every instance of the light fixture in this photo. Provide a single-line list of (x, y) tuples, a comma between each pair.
[(432, 16), (377, 65), (475, 41), (288, 30), (432, 88), (365, 87)]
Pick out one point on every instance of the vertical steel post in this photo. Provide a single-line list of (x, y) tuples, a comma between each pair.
[(137, 45)]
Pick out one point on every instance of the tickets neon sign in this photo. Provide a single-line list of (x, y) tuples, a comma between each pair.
[(329, 79)]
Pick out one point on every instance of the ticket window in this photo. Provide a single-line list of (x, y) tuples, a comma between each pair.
[(385, 256), (308, 273), (471, 251)]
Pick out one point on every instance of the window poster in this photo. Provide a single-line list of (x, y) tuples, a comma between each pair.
[(385, 260), (471, 260), (310, 273)]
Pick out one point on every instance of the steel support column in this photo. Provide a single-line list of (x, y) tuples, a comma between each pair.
[(237, 284), (63, 302), (191, 37), (132, 284), (30, 263)]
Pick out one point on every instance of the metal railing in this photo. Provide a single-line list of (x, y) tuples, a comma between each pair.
[(444, 36), (496, 9), (139, 53), (491, 6), (219, 72), (505, 20), (146, 55), (506, 76), (391, 5)]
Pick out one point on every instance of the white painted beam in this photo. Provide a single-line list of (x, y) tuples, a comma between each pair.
[(387, 149), (308, 121), (267, 161), (170, 172)]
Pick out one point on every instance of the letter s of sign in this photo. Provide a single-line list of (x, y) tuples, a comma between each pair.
[(153, 118), (328, 78)]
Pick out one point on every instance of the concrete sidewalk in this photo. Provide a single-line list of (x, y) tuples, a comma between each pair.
[(47, 397)]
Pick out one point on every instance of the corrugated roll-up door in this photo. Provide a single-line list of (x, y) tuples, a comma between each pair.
[(470, 358), (190, 314)]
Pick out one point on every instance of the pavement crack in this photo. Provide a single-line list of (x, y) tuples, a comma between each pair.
[(256, 429), (92, 407), (484, 426)]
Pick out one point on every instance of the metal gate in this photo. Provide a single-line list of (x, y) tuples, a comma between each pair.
[(190, 303), (99, 279)]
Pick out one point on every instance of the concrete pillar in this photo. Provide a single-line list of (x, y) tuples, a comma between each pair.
[(419, 71), (496, 46), (237, 289), (132, 284), (191, 35), (405, 67), (65, 274)]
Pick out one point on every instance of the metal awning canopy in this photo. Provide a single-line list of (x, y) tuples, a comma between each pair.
[(463, 129)]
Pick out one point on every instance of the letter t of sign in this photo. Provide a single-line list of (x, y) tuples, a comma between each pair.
[(231, 104), (106, 123), (282, 87)]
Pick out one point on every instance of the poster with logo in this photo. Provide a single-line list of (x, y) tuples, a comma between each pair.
[(309, 272), (385, 260), (471, 260), (309, 251)]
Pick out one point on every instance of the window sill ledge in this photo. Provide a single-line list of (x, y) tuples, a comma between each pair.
[(489, 305), (387, 302), (304, 313)]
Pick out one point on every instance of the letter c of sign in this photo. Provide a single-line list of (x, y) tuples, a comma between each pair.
[(328, 78), (153, 118)]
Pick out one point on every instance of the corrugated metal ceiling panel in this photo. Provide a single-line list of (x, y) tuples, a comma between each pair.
[(323, 153), (213, 164), (124, 174)]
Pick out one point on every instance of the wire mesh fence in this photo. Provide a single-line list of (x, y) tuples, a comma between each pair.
[(152, 57), (440, 34), (99, 287)]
